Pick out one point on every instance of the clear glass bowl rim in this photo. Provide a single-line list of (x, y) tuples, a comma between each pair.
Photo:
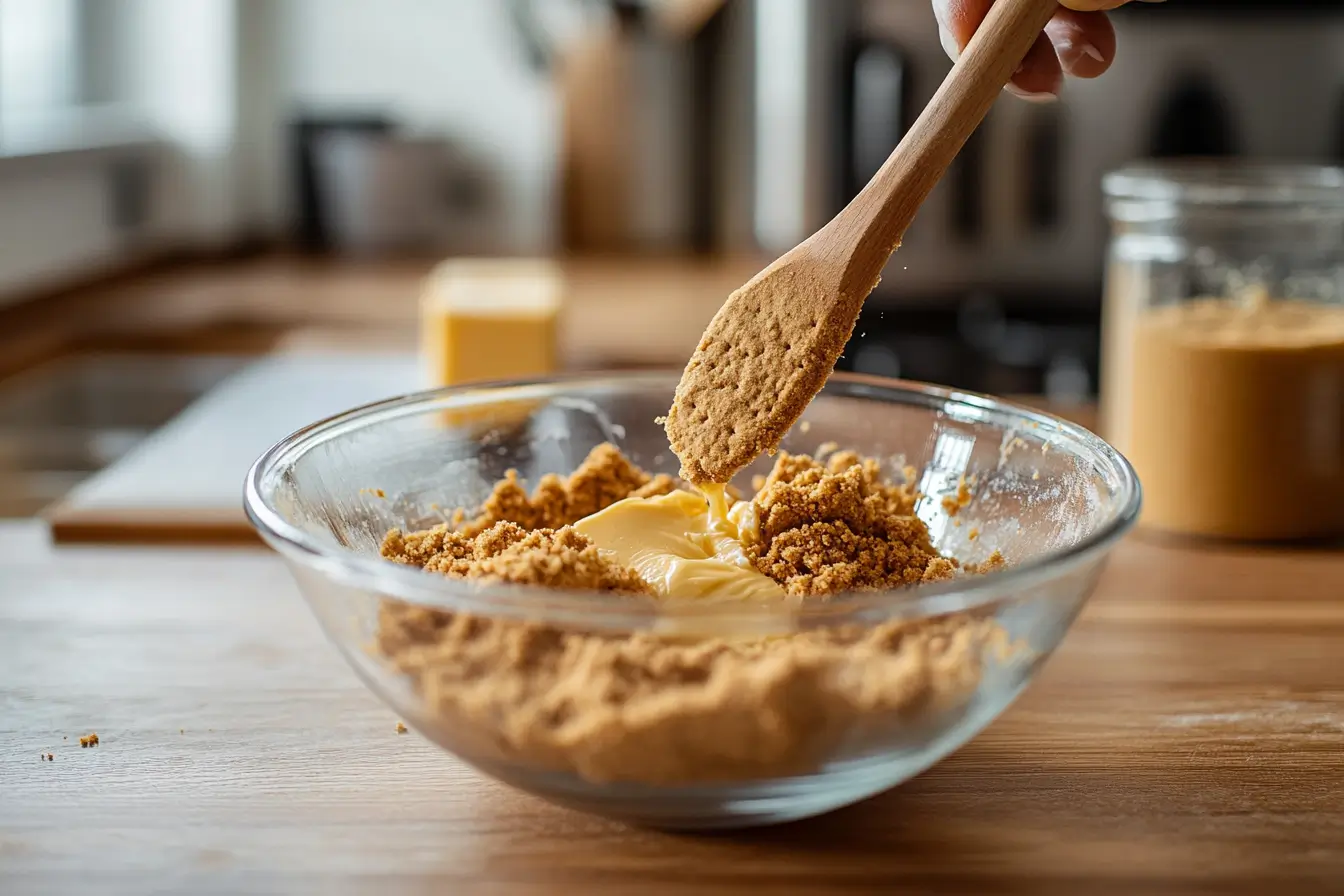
[(404, 583), (1226, 182)]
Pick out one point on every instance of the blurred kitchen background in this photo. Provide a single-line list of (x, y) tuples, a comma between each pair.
[(189, 185)]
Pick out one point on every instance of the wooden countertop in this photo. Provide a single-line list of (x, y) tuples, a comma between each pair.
[(295, 304), (1187, 737)]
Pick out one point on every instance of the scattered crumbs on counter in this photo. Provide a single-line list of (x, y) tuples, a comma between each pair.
[(974, 533), (401, 728), (956, 524), (51, 758), (90, 740)]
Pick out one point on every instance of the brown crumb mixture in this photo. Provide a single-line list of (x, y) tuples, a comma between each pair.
[(505, 552), (605, 477), (672, 710), (838, 526), (640, 708), (955, 502), (89, 740), (994, 561)]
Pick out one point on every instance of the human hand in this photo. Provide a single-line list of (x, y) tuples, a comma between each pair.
[(1079, 41)]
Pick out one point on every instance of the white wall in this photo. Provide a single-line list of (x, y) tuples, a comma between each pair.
[(450, 67), (177, 68), (218, 79), (261, 161), (54, 225)]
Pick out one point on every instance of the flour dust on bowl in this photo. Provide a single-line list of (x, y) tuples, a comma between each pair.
[(880, 629)]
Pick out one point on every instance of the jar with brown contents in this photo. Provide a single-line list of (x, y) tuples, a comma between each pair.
[(1223, 371)]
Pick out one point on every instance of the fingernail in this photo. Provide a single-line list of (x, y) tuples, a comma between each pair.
[(1031, 97), (949, 44), (940, 15), (1072, 52)]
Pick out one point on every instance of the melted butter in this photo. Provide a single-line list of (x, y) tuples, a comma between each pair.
[(684, 545)]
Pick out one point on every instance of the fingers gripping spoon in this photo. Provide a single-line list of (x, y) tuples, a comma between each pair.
[(773, 344)]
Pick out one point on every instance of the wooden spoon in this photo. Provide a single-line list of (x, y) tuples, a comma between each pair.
[(773, 344)]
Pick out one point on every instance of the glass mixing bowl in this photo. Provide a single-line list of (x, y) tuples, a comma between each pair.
[(1052, 497)]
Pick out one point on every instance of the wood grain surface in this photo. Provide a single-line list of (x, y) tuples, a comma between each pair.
[(1187, 738)]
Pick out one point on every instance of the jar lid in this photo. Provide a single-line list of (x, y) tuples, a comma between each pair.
[(1226, 182)]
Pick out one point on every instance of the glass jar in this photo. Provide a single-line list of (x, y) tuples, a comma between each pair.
[(1223, 346)]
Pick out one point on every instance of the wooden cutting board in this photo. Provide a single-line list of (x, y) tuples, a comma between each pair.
[(184, 484)]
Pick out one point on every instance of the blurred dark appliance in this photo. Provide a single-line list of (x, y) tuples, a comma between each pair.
[(1021, 209), (1001, 342), (308, 130), (367, 186), (754, 127)]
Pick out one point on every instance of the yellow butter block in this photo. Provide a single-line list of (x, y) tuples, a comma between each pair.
[(490, 319)]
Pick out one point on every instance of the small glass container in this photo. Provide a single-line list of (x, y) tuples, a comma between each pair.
[(1223, 354)]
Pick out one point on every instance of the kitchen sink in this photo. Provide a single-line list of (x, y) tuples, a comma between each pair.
[(62, 421)]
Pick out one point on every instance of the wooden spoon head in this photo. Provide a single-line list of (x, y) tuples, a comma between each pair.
[(764, 356)]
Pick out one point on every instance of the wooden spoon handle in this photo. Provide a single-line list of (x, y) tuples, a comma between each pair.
[(870, 228)]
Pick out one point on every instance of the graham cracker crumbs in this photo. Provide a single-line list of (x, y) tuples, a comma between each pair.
[(841, 526), (505, 552), (89, 740), (962, 498), (666, 710), (605, 477), (994, 561), (638, 708), (401, 728)]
